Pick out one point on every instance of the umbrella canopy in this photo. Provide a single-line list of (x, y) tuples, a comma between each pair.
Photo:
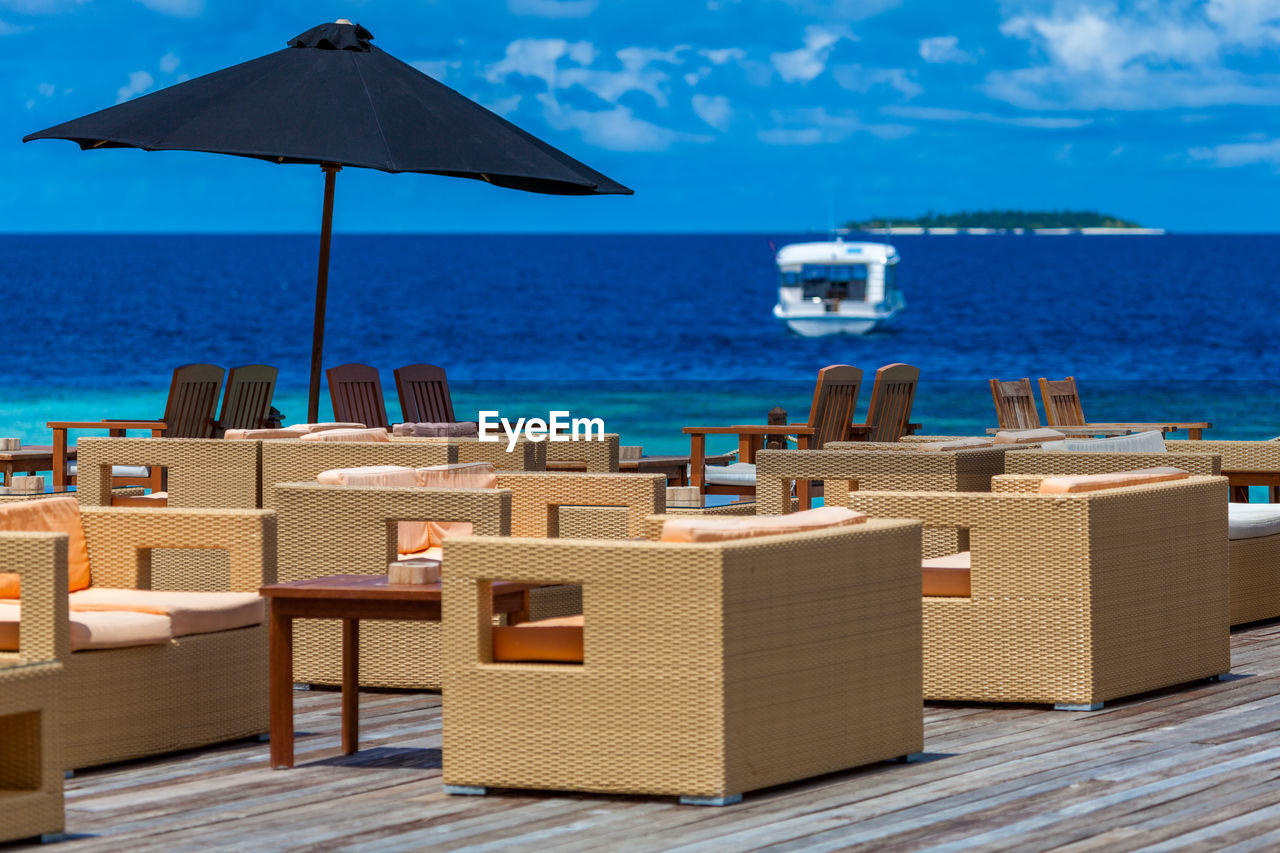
[(333, 99)]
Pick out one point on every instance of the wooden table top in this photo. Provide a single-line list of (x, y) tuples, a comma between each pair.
[(370, 587), (32, 451)]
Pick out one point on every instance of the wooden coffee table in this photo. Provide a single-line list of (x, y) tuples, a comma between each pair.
[(350, 598), (30, 459)]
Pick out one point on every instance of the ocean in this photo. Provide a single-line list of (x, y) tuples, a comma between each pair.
[(649, 332)]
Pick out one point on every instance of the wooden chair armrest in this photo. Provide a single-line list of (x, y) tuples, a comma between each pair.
[(106, 424), (121, 539), (40, 561), (752, 429)]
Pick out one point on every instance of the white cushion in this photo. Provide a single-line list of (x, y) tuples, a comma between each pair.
[(737, 474), (188, 612), (1250, 521), (118, 470), (1151, 441)]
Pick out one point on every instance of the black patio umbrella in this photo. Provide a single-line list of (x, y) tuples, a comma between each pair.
[(332, 99)]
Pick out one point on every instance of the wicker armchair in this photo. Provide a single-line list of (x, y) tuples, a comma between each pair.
[(709, 669), (326, 530), (31, 697), (1255, 562), (1075, 599), (846, 466), (125, 703), (595, 456), (525, 456)]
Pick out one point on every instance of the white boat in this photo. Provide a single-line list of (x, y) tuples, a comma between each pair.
[(837, 288)]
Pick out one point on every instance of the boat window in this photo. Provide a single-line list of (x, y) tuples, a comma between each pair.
[(832, 281)]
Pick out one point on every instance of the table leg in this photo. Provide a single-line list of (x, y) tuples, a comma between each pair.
[(697, 459), (281, 690), (521, 615), (1193, 434), (350, 686), (1240, 494)]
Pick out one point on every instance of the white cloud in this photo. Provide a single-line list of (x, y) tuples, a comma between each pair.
[(40, 7), (856, 78), (849, 10), (713, 109), (175, 8), (943, 49), (723, 55), (617, 129), (1235, 154), (552, 8), (1140, 55), (944, 114), (8, 29), (169, 63), (806, 63), (540, 58), (139, 82), (437, 69), (816, 126), (504, 106), (46, 90)]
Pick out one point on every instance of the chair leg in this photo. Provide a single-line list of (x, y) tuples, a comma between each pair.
[(1067, 706), (466, 790), (727, 800)]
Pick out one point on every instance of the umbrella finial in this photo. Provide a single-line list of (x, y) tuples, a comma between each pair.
[(340, 35)]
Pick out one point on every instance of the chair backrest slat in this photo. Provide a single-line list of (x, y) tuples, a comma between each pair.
[(1062, 402), (193, 401), (892, 396), (356, 392), (424, 394), (246, 404), (834, 398), (1015, 404)]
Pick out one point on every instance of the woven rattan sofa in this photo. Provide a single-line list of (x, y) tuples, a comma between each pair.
[(326, 530), (1075, 599), (31, 801), (1254, 562), (126, 703), (708, 670), (596, 456)]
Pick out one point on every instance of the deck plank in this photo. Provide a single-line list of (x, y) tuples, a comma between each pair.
[(1194, 767)]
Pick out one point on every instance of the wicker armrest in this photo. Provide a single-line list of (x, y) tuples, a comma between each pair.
[(536, 496), (202, 472), (1256, 456), (120, 541), (40, 560), (600, 456), (1070, 463)]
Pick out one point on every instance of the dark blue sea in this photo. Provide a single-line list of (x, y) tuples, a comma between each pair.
[(650, 332)]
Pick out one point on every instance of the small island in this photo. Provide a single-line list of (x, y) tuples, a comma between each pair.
[(1004, 222)]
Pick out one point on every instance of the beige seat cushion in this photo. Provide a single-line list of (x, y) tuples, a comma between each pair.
[(947, 576), (1151, 441), (415, 537), (374, 434), (94, 629), (720, 529), (188, 612), (244, 434), (1028, 436), (554, 640), (369, 475), (733, 474), (1252, 521), (1114, 480), (52, 515), (954, 444)]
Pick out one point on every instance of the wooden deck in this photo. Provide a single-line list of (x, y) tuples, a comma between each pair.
[(1194, 768)]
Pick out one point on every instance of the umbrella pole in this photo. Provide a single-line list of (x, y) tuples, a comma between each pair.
[(331, 171)]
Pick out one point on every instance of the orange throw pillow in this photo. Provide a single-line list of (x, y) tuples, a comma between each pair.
[(54, 515)]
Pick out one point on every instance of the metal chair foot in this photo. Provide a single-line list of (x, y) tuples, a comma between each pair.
[(1067, 706), (711, 801), (68, 774), (1222, 676), (264, 737), (52, 837), (465, 790), (907, 759)]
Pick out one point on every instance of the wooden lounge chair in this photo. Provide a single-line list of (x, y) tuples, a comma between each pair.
[(834, 397), (356, 392), (1062, 408), (246, 404), (889, 412), (709, 670), (1015, 404), (188, 413), (1073, 599), (424, 394)]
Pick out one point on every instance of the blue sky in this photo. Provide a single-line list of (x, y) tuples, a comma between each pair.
[(723, 115)]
